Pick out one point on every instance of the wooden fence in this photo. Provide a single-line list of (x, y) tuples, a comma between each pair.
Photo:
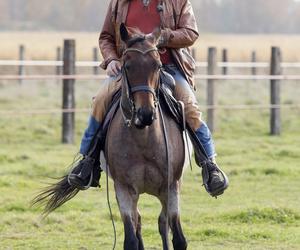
[(68, 75)]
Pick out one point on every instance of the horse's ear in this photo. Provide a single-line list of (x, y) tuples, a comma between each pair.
[(124, 33), (155, 35)]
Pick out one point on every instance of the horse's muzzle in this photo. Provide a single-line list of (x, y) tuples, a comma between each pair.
[(144, 117)]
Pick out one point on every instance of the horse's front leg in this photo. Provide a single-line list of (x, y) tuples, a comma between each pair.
[(127, 201), (139, 231), (163, 227), (179, 241)]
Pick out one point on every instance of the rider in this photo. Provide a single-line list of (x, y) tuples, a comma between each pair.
[(179, 31)]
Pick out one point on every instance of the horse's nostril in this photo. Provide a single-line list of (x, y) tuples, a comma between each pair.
[(145, 115)]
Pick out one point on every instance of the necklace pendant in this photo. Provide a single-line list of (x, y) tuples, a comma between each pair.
[(146, 3)]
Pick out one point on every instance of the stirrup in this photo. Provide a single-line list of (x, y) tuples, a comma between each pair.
[(220, 190), (73, 180), (207, 167), (75, 177)]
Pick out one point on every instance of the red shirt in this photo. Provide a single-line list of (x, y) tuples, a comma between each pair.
[(146, 19)]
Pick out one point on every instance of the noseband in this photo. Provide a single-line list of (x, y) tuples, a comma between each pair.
[(143, 87)]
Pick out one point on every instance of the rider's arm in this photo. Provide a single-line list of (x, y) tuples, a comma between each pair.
[(107, 39), (186, 32)]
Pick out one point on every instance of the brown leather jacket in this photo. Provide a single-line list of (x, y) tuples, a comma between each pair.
[(179, 32)]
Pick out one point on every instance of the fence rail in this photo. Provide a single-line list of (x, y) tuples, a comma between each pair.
[(46, 63), (197, 77), (43, 63), (16, 112), (65, 71)]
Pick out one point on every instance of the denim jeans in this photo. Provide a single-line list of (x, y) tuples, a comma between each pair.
[(99, 108), (185, 93)]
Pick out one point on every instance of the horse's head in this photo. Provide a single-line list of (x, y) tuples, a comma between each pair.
[(141, 65)]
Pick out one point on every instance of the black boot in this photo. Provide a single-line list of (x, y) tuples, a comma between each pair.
[(215, 180), (85, 174), (87, 171)]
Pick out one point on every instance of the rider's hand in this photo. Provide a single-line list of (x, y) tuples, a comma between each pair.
[(113, 68)]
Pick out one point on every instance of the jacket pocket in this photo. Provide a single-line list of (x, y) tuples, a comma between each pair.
[(187, 60)]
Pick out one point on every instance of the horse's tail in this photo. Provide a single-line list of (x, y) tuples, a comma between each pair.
[(55, 195)]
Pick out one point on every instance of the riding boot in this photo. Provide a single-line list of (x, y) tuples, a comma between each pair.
[(87, 171), (215, 180)]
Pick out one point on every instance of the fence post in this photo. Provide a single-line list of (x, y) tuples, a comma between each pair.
[(68, 118), (253, 60), (58, 67), (224, 60), (21, 58), (275, 121), (211, 94), (96, 59)]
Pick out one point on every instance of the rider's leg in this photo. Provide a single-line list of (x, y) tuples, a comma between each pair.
[(100, 106), (90, 143), (184, 93)]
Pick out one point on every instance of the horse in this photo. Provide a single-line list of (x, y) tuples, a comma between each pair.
[(144, 148)]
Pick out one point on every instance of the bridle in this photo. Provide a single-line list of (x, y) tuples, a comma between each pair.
[(128, 115)]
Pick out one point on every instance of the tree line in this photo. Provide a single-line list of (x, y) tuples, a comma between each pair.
[(224, 16)]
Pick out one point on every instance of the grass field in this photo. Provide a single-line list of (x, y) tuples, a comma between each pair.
[(42, 45), (260, 210)]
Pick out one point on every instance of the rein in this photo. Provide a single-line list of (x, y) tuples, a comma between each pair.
[(168, 164)]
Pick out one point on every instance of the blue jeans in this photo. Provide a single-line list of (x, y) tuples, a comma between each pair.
[(185, 93), (100, 105), (93, 126)]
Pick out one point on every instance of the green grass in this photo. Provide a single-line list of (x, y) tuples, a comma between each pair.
[(260, 210)]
